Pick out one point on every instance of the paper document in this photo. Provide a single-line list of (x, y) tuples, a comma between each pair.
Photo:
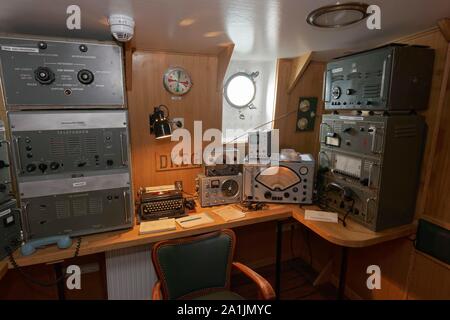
[(194, 220), (325, 216), (157, 226), (229, 213)]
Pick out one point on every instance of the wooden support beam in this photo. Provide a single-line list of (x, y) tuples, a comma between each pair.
[(444, 26), (299, 66), (223, 60), (324, 275)]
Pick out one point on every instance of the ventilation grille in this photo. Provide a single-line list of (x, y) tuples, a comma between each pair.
[(73, 146), (354, 75), (338, 77), (95, 205), (62, 209), (79, 207), (405, 131), (372, 91), (57, 146), (91, 145), (373, 74)]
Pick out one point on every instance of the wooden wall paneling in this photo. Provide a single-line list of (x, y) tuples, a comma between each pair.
[(223, 60), (444, 26), (203, 103), (430, 279), (299, 66), (437, 206), (434, 39), (309, 85)]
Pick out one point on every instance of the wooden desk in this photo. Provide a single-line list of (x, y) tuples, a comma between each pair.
[(129, 238), (351, 236)]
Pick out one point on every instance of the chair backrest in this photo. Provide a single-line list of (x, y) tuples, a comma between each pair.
[(191, 266)]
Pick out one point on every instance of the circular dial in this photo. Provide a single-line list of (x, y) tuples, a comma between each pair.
[(177, 81), (336, 92), (303, 170), (44, 75), (85, 76), (230, 188)]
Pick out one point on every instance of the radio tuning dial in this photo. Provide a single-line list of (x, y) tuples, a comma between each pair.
[(44, 75), (336, 92), (303, 171), (268, 195)]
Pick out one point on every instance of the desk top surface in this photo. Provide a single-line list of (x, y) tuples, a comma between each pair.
[(353, 235)]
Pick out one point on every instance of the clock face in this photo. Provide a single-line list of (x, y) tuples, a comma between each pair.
[(177, 81)]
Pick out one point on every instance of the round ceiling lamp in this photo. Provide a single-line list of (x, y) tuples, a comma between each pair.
[(338, 15)]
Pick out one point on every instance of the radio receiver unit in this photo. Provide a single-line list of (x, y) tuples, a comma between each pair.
[(391, 78), (292, 181), (69, 142), (220, 190), (370, 166)]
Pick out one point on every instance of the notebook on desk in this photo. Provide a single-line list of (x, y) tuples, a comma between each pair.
[(229, 213), (194, 220), (155, 226)]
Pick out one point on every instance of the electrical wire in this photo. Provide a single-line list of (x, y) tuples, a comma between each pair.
[(30, 278), (262, 125)]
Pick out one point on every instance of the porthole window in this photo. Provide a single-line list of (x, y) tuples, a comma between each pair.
[(240, 89)]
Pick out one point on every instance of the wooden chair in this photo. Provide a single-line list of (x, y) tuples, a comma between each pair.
[(200, 267)]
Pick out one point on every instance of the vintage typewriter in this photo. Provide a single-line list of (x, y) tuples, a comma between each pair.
[(160, 202)]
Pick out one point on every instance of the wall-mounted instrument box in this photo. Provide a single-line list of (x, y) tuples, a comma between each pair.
[(390, 78), (90, 203), (5, 167), (68, 142), (50, 73), (291, 181), (369, 167), (10, 228), (72, 171)]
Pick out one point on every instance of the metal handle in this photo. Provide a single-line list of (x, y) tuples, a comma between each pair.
[(374, 137), (127, 211), (370, 174), (383, 76), (17, 153), (124, 163), (8, 150), (367, 205), (26, 223)]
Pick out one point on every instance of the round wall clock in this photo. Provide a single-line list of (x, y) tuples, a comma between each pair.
[(177, 81)]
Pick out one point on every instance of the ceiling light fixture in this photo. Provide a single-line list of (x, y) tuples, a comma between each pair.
[(338, 15)]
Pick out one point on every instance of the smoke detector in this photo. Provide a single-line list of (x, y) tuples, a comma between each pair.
[(122, 27)]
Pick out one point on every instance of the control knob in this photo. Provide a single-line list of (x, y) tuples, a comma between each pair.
[(85, 76), (3, 164), (268, 195), (43, 167), (44, 75)]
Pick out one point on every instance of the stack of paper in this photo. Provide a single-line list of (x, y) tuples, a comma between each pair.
[(229, 213), (194, 220), (157, 226)]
